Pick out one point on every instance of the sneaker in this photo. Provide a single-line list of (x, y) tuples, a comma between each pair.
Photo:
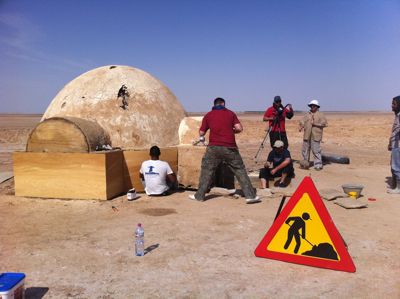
[(223, 191), (318, 168), (393, 191), (253, 200), (282, 185), (192, 197)]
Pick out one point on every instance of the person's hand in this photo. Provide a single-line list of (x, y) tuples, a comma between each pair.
[(273, 171), (266, 165), (290, 106), (202, 138)]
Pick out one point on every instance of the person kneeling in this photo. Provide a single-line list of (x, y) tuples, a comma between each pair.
[(158, 177), (279, 164)]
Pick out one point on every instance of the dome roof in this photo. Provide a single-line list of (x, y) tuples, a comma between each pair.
[(133, 107)]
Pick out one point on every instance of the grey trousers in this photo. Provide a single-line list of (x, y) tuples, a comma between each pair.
[(214, 156), (315, 149)]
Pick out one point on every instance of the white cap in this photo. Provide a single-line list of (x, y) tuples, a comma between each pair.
[(278, 143), (314, 102)]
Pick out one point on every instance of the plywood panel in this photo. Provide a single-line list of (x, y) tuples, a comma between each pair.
[(189, 158), (115, 174), (67, 175), (133, 160)]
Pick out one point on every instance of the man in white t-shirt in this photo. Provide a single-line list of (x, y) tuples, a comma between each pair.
[(157, 175)]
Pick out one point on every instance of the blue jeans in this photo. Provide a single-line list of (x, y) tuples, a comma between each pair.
[(395, 163)]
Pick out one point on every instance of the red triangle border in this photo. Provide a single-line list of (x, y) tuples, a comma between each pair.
[(344, 264)]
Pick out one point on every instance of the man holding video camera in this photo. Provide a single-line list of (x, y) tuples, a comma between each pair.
[(276, 115)]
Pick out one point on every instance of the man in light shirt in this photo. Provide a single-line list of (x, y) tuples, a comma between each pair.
[(158, 176), (313, 124)]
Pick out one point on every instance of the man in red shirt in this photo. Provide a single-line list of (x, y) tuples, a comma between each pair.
[(276, 115), (223, 125)]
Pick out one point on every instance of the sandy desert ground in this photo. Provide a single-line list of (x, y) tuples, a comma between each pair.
[(85, 248)]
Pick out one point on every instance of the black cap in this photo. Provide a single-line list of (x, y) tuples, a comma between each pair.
[(219, 101), (277, 99)]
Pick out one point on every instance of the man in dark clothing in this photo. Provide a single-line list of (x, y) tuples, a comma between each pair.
[(394, 147), (279, 164), (276, 115), (294, 230), (223, 125)]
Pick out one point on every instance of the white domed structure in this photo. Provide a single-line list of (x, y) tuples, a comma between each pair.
[(133, 107)]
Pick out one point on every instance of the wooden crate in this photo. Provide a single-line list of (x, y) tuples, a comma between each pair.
[(97, 175), (133, 160)]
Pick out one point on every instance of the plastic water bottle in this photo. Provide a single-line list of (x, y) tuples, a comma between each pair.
[(139, 240)]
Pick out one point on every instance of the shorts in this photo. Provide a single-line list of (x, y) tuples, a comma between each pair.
[(265, 173)]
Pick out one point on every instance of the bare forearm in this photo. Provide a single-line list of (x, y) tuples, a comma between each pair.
[(237, 128), (283, 164)]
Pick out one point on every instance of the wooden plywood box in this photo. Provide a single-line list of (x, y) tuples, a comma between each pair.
[(133, 160), (96, 175)]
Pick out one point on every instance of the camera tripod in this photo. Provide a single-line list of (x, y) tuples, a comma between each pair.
[(273, 124), (280, 113)]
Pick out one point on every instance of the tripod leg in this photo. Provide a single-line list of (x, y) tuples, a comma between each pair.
[(273, 124), (262, 143)]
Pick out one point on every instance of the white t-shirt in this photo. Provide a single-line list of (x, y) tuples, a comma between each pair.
[(155, 176)]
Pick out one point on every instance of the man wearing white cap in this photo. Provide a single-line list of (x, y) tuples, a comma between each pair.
[(313, 124), (279, 164)]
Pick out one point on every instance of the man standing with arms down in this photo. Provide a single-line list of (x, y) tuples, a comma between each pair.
[(223, 125), (313, 124), (276, 115), (394, 147)]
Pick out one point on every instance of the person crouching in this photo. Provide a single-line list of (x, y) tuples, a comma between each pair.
[(279, 164), (156, 175)]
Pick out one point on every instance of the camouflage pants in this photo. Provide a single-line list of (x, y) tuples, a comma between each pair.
[(213, 157)]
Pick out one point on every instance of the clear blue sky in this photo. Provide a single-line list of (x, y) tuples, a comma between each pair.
[(346, 54)]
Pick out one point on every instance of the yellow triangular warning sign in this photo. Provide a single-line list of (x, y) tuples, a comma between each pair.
[(304, 233)]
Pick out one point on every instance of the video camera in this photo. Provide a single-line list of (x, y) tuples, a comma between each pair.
[(280, 109)]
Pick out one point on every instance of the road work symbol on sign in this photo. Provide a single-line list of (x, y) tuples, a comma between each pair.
[(304, 233)]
